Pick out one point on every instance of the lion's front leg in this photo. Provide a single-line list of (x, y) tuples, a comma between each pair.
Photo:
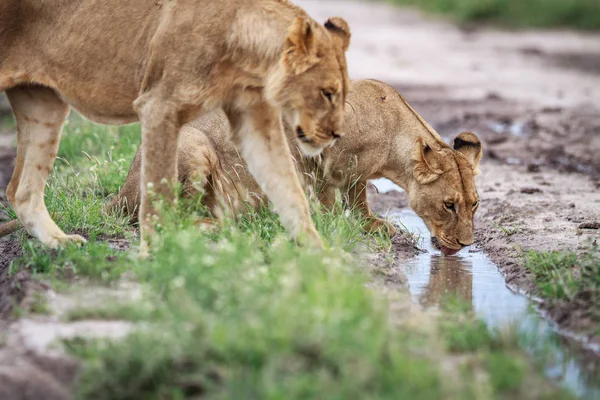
[(357, 199), (40, 115), (258, 133), (160, 132)]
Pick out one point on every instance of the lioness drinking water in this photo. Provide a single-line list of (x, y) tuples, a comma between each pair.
[(165, 63), (385, 137)]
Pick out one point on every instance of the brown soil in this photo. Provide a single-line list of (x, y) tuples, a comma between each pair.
[(12, 288), (517, 133), (29, 375)]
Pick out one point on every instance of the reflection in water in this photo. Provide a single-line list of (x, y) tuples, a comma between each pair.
[(448, 275), (471, 275)]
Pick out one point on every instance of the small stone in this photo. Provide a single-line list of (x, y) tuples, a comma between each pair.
[(492, 155), (589, 225), (493, 96), (533, 168), (530, 190)]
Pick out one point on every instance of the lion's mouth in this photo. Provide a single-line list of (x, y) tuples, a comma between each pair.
[(447, 251), (302, 135), (307, 146)]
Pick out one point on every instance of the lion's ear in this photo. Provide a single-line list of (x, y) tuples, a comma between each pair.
[(340, 29), (428, 163), (301, 37), (469, 145)]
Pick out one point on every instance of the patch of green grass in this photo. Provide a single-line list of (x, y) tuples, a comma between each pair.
[(470, 336), (92, 163), (37, 304), (98, 155), (569, 278), (507, 372), (95, 260), (137, 311), (462, 331), (578, 14), (255, 321), (555, 273), (495, 354)]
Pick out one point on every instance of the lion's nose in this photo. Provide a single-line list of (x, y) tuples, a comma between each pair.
[(335, 135), (463, 244)]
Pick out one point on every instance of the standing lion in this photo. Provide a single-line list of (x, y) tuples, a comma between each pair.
[(165, 63)]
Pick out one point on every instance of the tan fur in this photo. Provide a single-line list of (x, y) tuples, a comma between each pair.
[(384, 137), (165, 63)]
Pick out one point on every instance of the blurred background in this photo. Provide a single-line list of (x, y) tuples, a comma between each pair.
[(576, 14)]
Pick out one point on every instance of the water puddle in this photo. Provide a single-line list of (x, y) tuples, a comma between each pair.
[(521, 129), (471, 275)]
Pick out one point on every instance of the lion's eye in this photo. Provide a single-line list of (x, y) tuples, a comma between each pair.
[(328, 95), (450, 206), (475, 204)]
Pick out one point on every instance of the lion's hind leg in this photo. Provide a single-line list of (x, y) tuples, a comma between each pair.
[(40, 115)]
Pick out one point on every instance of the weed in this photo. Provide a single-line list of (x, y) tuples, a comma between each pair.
[(508, 230)]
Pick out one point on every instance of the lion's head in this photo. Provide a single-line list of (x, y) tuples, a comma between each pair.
[(443, 191), (310, 82)]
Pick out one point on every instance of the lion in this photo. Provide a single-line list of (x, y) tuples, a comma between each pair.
[(385, 138), (165, 63)]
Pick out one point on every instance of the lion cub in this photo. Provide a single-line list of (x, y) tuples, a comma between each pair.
[(385, 137)]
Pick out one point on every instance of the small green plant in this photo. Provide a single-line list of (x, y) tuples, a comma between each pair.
[(508, 230), (555, 273)]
